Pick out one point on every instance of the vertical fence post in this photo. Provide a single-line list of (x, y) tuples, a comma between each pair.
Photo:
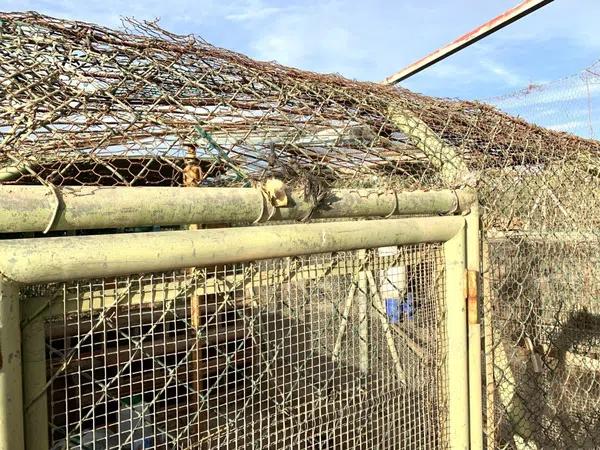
[(192, 177), (11, 386), (457, 355), (488, 339), (474, 327), (35, 404), (363, 317)]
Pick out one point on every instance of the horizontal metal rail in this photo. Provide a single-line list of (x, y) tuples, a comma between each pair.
[(38, 208), (38, 260)]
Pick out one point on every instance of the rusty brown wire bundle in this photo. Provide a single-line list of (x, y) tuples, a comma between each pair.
[(85, 105)]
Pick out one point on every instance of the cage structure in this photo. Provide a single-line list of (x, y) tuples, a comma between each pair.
[(351, 329), (269, 353)]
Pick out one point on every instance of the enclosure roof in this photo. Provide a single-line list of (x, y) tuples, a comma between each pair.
[(83, 104)]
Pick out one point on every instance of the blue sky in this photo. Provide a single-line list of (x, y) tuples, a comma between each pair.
[(369, 40)]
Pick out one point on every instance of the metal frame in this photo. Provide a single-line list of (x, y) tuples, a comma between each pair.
[(36, 208), (35, 406), (473, 281), (39, 260), (455, 253), (11, 382)]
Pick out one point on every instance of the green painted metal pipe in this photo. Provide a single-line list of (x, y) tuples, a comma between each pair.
[(455, 315), (35, 402), (75, 257), (12, 173), (31, 208), (11, 385)]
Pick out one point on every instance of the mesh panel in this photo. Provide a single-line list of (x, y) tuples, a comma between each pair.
[(546, 324), (84, 104), (257, 355), (568, 104), (541, 317)]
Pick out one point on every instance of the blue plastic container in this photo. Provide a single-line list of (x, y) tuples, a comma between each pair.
[(397, 309), (393, 309)]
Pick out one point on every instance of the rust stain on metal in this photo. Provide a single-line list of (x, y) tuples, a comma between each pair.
[(506, 18), (192, 173), (472, 296), (276, 192)]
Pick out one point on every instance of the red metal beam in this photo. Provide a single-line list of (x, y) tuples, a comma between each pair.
[(513, 14)]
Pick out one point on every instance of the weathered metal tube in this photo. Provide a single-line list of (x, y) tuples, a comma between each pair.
[(456, 329), (75, 257), (474, 327), (32, 208), (11, 384), (35, 401)]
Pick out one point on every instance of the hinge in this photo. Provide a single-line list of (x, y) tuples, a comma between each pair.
[(471, 283)]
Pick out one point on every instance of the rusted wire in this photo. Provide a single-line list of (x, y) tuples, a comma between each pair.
[(83, 104)]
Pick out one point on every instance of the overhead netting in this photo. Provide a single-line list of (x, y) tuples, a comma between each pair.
[(82, 104), (85, 105)]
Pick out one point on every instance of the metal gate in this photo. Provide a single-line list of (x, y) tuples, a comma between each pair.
[(336, 334)]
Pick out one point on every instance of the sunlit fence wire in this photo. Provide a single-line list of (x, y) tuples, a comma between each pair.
[(545, 319), (570, 104), (269, 357)]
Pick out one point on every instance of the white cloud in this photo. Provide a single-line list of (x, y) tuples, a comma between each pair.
[(566, 19), (253, 14), (310, 38), (503, 73), (568, 126), (481, 70)]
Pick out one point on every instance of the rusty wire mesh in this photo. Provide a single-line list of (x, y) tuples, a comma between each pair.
[(268, 358), (542, 276), (82, 104)]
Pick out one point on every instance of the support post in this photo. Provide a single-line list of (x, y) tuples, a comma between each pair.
[(506, 18), (473, 304), (11, 385), (363, 316), (457, 394), (34, 381)]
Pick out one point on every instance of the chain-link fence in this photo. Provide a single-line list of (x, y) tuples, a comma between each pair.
[(569, 104), (542, 280), (86, 105)]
